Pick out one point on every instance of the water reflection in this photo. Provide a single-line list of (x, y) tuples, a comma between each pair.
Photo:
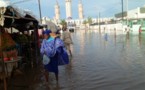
[(115, 36), (112, 62), (140, 40), (105, 61), (105, 40)]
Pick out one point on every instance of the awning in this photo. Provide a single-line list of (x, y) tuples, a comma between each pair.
[(14, 17)]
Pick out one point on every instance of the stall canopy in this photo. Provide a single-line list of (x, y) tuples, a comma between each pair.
[(22, 20)]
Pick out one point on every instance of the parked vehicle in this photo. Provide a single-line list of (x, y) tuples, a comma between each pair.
[(71, 29)]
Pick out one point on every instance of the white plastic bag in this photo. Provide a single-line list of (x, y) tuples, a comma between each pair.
[(46, 59)]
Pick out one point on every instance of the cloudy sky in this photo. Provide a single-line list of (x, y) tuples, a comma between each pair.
[(107, 8)]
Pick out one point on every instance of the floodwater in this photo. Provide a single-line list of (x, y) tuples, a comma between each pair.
[(101, 61)]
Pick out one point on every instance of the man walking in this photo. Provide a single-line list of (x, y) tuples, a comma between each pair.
[(67, 40)]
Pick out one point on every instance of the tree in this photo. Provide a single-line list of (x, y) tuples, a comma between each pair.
[(85, 23), (63, 23), (89, 20)]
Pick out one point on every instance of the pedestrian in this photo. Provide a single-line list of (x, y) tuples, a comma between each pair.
[(140, 30), (66, 37), (53, 48)]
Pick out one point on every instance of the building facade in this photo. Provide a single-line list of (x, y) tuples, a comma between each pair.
[(132, 14)]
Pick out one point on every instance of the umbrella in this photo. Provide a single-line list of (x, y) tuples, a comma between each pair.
[(52, 26)]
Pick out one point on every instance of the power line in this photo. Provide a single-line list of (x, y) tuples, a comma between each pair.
[(23, 1), (136, 1)]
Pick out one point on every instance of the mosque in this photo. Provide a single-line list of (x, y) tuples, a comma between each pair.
[(69, 18), (68, 6)]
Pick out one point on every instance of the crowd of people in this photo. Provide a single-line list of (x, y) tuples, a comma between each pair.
[(55, 50)]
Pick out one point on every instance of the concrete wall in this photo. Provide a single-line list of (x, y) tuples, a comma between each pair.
[(108, 26), (117, 27)]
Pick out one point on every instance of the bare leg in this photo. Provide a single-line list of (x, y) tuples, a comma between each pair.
[(56, 76), (69, 49), (46, 76), (70, 53)]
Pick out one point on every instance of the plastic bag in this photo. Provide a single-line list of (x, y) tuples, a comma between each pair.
[(46, 60)]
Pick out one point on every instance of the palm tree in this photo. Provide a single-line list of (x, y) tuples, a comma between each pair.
[(85, 23), (89, 20), (63, 23)]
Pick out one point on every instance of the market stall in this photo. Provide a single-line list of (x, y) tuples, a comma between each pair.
[(11, 17)]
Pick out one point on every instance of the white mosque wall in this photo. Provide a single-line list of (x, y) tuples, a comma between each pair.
[(79, 22)]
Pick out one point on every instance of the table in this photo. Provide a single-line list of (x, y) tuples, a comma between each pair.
[(15, 60), (11, 65)]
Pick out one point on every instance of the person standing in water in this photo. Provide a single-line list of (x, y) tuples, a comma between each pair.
[(66, 37), (54, 49), (140, 30)]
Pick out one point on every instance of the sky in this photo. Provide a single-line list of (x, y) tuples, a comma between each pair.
[(107, 8)]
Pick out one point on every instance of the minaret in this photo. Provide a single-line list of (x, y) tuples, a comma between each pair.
[(57, 11), (80, 10), (68, 4)]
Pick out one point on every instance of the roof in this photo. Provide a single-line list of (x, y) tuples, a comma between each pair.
[(17, 18), (4, 3)]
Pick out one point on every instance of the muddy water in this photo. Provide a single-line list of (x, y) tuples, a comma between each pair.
[(103, 61)]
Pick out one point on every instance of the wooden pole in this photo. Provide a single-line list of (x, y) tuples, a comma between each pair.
[(36, 42), (3, 64), (5, 84)]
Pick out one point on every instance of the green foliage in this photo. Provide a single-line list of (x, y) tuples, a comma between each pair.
[(85, 22), (63, 22), (89, 20)]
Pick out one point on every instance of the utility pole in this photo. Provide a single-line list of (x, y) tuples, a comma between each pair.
[(127, 11), (40, 14), (99, 21), (122, 10)]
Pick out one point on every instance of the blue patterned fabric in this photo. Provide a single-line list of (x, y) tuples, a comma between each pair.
[(55, 50), (47, 32)]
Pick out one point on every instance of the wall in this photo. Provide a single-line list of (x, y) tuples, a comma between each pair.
[(108, 26)]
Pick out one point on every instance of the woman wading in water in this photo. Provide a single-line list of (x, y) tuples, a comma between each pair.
[(53, 49)]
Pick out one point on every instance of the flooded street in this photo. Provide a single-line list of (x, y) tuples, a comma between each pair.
[(107, 51), (105, 61)]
